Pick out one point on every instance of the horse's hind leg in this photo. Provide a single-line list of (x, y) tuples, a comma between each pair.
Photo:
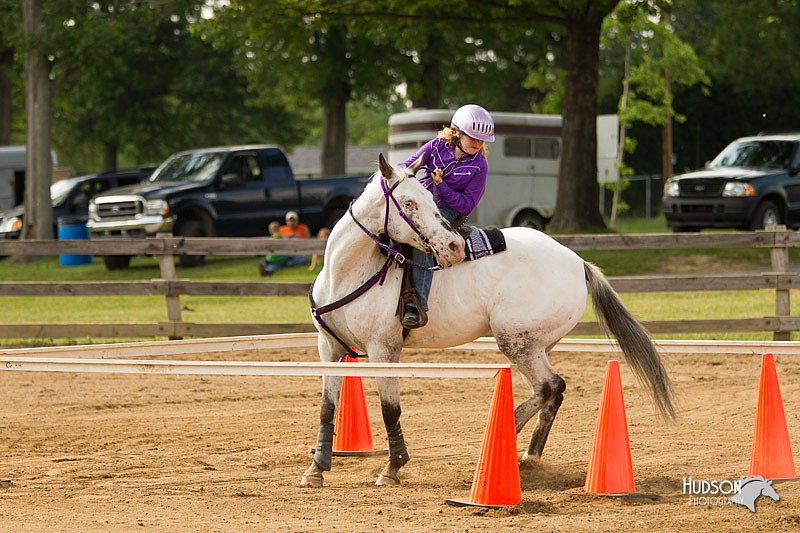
[(389, 390), (547, 389), (545, 421)]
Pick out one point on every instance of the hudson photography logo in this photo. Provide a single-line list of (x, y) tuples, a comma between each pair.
[(743, 491)]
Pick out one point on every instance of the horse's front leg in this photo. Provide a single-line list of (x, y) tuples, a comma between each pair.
[(389, 390), (331, 385), (323, 452)]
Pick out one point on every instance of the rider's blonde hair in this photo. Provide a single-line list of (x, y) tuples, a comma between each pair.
[(450, 136)]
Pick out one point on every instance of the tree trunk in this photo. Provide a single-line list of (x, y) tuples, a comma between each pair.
[(334, 137), (110, 149), (335, 95), (666, 132), (6, 65), (577, 203), (38, 95)]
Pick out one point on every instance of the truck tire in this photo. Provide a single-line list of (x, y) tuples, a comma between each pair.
[(529, 219), (767, 214), (190, 228), (116, 262)]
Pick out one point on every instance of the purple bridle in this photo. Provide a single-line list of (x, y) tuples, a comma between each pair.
[(392, 253)]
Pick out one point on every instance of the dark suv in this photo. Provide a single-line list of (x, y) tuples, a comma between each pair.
[(753, 183), (71, 197)]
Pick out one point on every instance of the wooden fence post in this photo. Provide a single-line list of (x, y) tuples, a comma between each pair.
[(166, 264), (779, 253)]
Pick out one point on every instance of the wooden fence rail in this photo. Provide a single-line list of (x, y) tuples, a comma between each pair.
[(778, 240)]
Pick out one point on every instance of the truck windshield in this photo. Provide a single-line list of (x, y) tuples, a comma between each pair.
[(189, 167), (61, 189), (755, 154)]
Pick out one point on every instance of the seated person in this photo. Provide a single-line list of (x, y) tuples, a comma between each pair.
[(322, 235), (293, 229), (274, 229)]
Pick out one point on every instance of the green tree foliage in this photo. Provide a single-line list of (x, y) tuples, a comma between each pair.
[(655, 49), (154, 87), (293, 54), (746, 49), (10, 72), (132, 78)]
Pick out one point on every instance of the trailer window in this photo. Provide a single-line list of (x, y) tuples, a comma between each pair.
[(545, 148), (412, 146), (517, 147)]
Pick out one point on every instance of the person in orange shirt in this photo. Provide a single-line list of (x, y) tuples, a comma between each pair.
[(293, 229)]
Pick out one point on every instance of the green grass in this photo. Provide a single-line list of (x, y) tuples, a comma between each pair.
[(216, 268), (207, 309), (639, 225)]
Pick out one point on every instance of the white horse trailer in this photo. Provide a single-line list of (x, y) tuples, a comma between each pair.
[(12, 175), (523, 161)]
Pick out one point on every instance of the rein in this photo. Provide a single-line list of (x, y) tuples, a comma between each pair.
[(392, 253)]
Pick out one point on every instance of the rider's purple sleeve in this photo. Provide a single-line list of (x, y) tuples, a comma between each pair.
[(465, 201), (424, 151)]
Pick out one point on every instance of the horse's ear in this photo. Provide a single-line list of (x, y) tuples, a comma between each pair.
[(386, 168), (414, 167)]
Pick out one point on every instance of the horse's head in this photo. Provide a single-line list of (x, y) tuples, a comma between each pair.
[(768, 490), (411, 215)]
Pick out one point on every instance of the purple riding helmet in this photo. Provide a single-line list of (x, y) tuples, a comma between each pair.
[(475, 121)]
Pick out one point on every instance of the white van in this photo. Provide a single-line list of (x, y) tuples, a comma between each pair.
[(523, 161), (12, 175)]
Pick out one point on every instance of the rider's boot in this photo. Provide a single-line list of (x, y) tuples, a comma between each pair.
[(411, 316)]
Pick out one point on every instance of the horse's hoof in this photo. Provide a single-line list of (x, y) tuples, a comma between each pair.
[(530, 459), (313, 481), (387, 480)]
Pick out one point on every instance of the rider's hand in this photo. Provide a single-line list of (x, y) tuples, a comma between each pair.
[(437, 176)]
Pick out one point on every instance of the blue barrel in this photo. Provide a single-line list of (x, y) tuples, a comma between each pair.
[(73, 229)]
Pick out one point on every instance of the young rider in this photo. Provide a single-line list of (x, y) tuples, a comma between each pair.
[(455, 173)]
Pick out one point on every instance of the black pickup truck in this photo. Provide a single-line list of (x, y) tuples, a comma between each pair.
[(232, 191), (753, 183)]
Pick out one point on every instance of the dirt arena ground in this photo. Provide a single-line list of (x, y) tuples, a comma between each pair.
[(111, 452)]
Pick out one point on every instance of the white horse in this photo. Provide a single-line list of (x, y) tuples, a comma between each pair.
[(530, 296)]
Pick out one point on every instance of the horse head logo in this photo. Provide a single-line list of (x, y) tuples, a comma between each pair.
[(751, 488)]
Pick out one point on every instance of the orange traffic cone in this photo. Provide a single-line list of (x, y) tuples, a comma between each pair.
[(496, 482), (610, 466), (353, 434), (772, 451)]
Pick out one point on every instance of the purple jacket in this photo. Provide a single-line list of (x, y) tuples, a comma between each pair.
[(464, 180)]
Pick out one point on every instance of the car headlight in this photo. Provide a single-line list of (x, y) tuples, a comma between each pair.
[(738, 188), (10, 224), (156, 207), (672, 189)]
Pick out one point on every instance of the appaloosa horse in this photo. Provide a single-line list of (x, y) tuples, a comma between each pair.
[(530, 296)]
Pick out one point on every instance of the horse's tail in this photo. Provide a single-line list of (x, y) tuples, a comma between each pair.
[(640, 352)]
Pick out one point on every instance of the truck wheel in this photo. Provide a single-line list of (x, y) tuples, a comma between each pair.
[(685, 229), (529, 219), (767, 214), (190, 228), (116, 262)]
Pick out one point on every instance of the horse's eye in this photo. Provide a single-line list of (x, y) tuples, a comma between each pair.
[(411, 205)]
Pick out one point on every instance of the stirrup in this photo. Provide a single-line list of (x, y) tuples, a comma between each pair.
[(414, 316)]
